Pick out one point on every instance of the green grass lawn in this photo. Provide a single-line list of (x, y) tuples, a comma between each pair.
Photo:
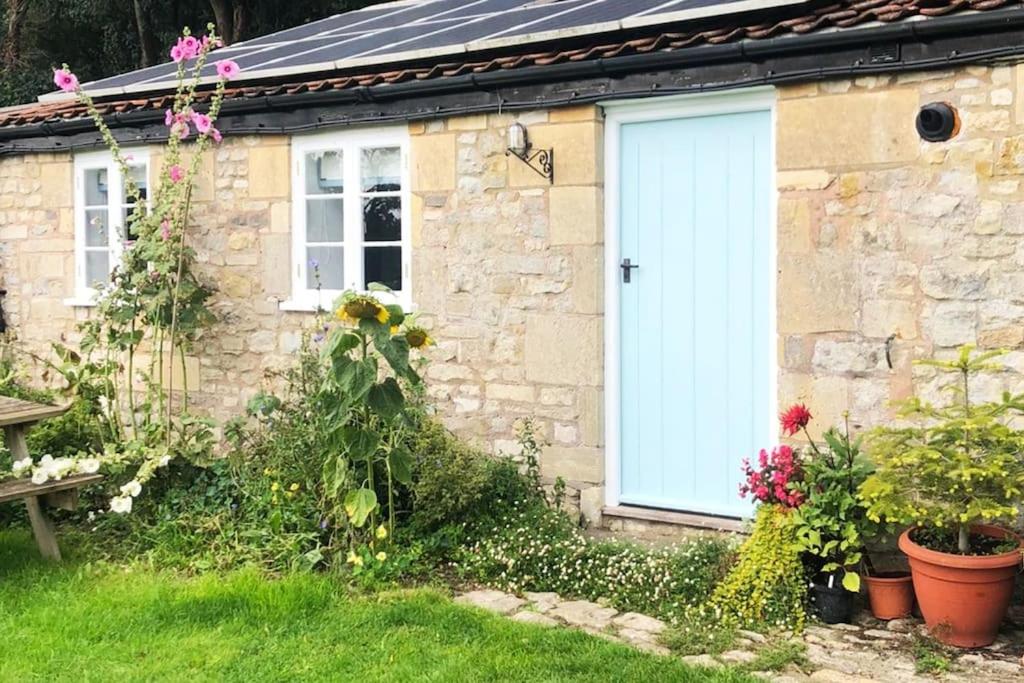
[(78, 622)]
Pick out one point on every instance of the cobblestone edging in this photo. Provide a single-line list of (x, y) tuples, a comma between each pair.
[(870, 650)]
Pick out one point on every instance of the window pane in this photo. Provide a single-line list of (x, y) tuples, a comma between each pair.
[(325, 173), (97, 232), (96, 187), (382, 169), (97, 268), (324, 220), (138, 174), (324, 268), (382, 219), (383, 265)]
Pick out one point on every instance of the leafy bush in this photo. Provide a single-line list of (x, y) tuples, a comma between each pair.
[(540, 549), (75, 431), (831, 521), (766, 587), (952, 466), (457, 485)]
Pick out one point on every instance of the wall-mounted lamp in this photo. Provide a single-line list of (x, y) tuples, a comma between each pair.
[(542, 161)]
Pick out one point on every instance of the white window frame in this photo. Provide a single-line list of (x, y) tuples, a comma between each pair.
[(349, 143), (85, 295)]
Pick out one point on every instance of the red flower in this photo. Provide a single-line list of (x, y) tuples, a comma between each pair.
[(794, 419)]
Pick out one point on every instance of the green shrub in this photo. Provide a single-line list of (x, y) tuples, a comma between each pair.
[(458, 486), (75, 431), (766, 587), (540, 549), (948, 468)]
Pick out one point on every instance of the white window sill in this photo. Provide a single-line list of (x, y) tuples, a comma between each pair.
[(81, 301), (305, 306), (297, 306)]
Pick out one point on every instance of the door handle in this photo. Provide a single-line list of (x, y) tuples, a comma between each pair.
[(626, 267)]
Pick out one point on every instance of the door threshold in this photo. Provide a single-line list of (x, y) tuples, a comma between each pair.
[(689, 519)]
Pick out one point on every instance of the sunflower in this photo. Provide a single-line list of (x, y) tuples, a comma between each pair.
[(418, 337), (356, 307)]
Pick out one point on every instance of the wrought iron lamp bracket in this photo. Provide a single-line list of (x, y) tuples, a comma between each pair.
[(542, 161)]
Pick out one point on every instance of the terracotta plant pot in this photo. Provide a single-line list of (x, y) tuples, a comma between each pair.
[(891, 595), (963, 598)]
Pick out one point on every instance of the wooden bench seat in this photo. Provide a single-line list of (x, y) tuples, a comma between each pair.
[(61, 494), (16, 416)]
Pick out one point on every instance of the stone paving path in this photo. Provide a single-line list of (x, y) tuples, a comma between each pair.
[(865, 652)]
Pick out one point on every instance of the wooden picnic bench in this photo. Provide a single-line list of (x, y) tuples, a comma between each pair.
[(16, 416)]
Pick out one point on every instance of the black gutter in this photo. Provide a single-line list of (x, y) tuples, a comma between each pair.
[(752, 52)]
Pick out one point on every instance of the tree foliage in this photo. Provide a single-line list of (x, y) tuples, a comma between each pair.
[(106, 37)]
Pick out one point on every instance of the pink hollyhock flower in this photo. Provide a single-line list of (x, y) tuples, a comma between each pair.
[(202, 122), (212, 43), (215, 134), (168, 118), (165, 230), (177, 53), (180, 128), (65, 80), (227, 69), (189, 45), (177, 173)]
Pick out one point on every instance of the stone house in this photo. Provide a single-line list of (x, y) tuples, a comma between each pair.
[(718, 209)]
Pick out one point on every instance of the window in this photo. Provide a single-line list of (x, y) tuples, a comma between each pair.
[(350, 215), (102, 208)]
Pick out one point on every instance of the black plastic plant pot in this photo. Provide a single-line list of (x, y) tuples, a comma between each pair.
[(834, 605)]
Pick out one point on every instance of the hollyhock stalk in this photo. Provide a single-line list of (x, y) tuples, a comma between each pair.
[(161, 241)]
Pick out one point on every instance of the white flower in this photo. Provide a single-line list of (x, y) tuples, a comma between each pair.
[(22, 466), (132, 488), (61, 467), (89, 466), (40, 476), (164, 460), (122, 504)]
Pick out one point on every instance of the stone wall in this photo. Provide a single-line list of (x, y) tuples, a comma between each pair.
[(883, 234), (879, 234), (506, 268), (509, 270)]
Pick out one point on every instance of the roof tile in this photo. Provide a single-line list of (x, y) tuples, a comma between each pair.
[(834, 15)]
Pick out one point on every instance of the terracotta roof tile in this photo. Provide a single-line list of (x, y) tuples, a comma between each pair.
[(834, 15)]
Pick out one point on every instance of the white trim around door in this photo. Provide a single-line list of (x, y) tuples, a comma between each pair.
[(655, 109)]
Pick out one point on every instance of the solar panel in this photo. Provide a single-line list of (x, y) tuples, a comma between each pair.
[(431, 29)]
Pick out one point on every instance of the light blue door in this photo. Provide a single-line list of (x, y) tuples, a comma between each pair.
[(695, 313)]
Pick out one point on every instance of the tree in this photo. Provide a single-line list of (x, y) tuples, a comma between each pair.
[(107, 37), (15, 13)]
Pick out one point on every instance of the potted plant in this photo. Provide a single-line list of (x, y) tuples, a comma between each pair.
[(952, 473), (830, 518), (890, 594)]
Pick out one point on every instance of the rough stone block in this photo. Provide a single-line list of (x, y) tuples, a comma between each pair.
[(850, 129), (821, 293), (578, 151), (471, 122), (591, 504), (880, 318), (58, 181), (433, 163), (576, 215), (269, 175), (812, 179), (564, 349), (586, 112), (573, 464), (591, 416)]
